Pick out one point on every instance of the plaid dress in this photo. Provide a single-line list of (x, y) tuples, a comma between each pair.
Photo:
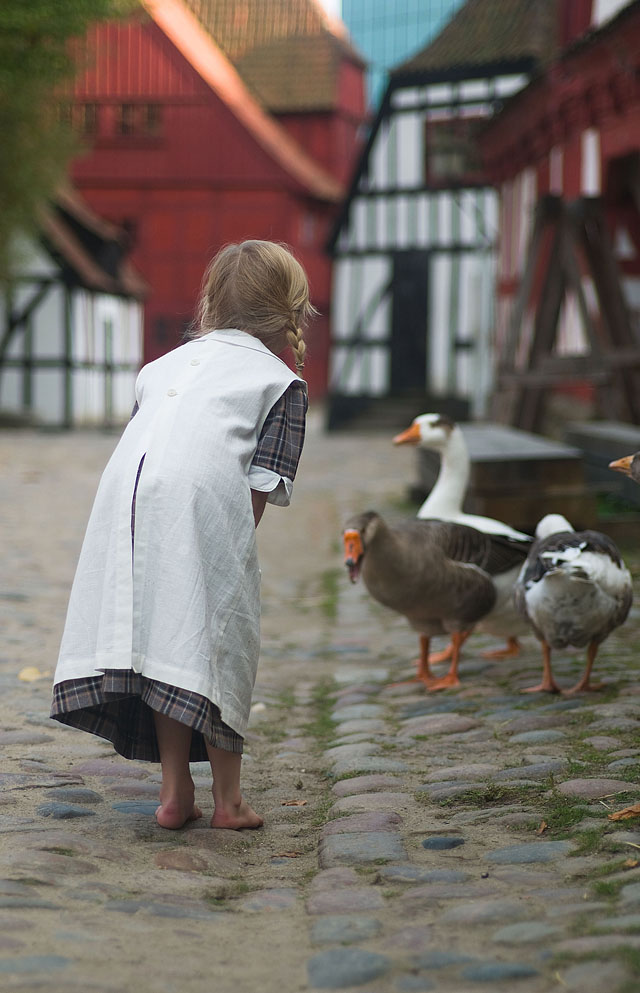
[(119, 705)]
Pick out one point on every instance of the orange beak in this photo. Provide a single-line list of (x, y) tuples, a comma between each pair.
[(353, 553), (409, 437), (622, 465)]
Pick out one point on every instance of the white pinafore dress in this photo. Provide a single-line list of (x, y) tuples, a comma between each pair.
[(180, 605)]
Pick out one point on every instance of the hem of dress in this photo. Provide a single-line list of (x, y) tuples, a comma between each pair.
[(93, 720)]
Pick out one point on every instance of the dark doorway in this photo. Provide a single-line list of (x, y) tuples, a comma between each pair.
[(409, 294)]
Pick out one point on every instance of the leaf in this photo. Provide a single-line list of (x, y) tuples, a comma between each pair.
[(293, 803), (631, 863), (542, 828), (287, 855), (622, 815)]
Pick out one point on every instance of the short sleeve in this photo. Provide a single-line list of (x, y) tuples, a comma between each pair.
[(277, 455)]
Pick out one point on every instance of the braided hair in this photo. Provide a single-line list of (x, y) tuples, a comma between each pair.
[(257, 287)]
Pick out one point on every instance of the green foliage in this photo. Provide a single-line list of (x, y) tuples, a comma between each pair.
[(39, 54)]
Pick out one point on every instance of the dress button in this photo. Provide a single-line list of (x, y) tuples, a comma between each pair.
[(195, 361), (172, 393)]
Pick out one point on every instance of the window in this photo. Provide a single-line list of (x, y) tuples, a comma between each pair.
[(452, 153), (152, 118), (126, 118), (87, 118), (141, 120)]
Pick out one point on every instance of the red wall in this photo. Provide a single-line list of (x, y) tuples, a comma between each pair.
[(201, 181)]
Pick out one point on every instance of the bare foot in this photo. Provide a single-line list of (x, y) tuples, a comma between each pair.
[(235, 817), (176, 811)]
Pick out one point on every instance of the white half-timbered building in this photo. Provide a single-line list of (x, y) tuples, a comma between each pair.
[(414, 247), (71, 327)]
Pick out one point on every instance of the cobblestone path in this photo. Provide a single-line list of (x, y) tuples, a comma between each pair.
[(454, 842)]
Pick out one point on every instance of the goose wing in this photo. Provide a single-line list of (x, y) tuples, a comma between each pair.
[(493, 553), (564, 547)]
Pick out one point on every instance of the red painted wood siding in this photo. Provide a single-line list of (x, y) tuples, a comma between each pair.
[(200, 182)]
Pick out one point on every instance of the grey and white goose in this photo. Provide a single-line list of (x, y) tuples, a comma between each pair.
[(440, 434), (439, 575), (574, 589)]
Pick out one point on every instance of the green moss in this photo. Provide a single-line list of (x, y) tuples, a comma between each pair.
[(329, 584)]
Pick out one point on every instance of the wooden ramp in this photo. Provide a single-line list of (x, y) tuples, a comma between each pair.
[(518, 477)]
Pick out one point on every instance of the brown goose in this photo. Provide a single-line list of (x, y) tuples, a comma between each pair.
[(440, 434), (574, 589), (629, 465), (439, 575)]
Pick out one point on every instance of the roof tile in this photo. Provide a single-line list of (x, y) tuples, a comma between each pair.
[(489, 31)]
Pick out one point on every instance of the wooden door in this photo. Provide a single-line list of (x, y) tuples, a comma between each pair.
[(409, 318)]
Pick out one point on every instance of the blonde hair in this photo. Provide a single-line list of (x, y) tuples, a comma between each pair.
[(260, 288)]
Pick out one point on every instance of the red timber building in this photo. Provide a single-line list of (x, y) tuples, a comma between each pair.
[(211, 121), (565, 155)]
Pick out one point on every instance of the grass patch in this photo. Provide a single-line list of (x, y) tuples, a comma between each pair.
[(561, 813), (330, 586), (287, 698), (321, 811), (491, 794), (608, 868), (322, 726), (630, 957), (220, 896), (588, 842), (273, 733), (607, 888)]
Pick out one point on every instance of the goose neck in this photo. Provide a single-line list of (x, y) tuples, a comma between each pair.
[(450, 487)]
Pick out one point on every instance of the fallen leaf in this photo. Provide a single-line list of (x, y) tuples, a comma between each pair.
[(631, 863), (287, 855), (543, 827), (621, 815), (293, 803), (30, 674)]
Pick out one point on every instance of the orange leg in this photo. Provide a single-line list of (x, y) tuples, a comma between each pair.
[(510, 650), (451, 679), (584, 685), (548, 684), (424, 674), (447, 652)]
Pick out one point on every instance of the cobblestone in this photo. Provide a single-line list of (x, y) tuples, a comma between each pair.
[(450, 842)]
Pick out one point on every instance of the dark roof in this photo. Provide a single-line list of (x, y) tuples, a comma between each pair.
[(489, 32), (88, 248), (288, 52)]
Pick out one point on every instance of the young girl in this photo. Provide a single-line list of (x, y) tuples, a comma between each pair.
[(160, 647)]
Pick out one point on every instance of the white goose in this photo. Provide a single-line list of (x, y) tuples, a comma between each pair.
[(442, 435), (574, 589)]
